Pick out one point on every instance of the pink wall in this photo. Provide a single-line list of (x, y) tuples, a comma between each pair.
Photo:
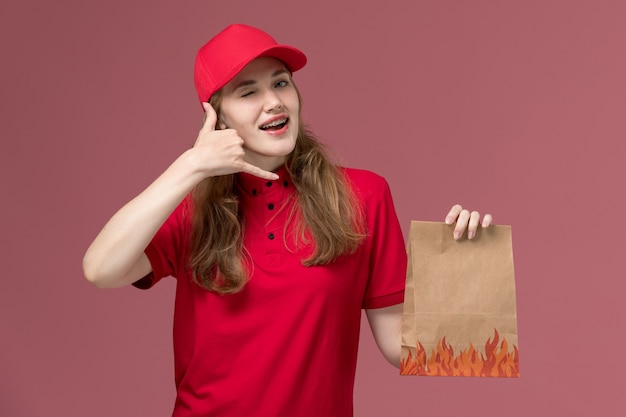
[(516, 107)]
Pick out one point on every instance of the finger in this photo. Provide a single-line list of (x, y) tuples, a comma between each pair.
[(461, 223), (473, 224), (487, 220), (210, 117), (453, 213), (258, 172)]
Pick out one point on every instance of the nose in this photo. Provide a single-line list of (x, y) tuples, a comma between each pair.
[(273, 102)]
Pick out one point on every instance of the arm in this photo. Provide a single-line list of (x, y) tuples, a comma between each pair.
[(116, 257), (386, 325)]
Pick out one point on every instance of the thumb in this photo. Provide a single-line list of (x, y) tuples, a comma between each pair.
[(210, 117)]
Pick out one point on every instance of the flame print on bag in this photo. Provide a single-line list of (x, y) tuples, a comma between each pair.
[(495, 362)]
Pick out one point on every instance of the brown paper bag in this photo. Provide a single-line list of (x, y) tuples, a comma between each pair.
[(459, 310)]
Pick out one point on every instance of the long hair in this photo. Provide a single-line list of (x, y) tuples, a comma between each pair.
[(326, 214)]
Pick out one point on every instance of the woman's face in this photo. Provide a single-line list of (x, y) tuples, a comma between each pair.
[(261, 104)]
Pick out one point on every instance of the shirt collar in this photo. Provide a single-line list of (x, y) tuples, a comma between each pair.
[(254, 186)]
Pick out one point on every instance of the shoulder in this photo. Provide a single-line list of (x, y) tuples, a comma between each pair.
[(366, 183), (362, 176)]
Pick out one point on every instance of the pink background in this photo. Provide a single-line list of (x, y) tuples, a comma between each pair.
[(512, 107)]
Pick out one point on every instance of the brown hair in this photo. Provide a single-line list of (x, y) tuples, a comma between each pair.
[(326, 209)]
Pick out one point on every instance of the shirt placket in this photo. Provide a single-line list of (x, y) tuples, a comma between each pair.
[(274, 224)]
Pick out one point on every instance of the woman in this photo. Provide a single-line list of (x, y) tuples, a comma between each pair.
[(275, 249)]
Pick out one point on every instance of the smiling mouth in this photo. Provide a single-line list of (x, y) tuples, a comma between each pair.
[(276, 124)]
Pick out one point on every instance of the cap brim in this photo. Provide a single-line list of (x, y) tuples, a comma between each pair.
[(293, 58)]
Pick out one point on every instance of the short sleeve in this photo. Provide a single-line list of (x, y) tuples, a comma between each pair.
[(166, 250), (387, 257)]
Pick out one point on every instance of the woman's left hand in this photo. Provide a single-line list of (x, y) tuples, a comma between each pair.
[(466, 219)]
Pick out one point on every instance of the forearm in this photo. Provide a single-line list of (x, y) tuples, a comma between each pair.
[(116, 256), (386, 325)]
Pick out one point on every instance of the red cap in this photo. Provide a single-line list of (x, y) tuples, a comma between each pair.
[(228, 52)]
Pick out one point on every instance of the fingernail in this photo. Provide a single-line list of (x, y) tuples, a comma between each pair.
[(457, 235), (275, 176), (449, 220), (471, 234)]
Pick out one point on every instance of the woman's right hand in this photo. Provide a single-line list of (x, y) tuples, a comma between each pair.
[(220, 152)]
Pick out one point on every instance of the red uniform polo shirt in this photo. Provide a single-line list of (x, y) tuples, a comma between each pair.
[(286, 345)]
